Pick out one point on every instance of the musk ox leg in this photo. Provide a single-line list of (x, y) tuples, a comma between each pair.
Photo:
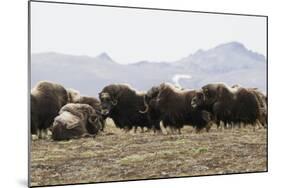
[(220, 126), (135, 129), (254, 127), (170, 129), (179, 130), (208, 126), (197, 130), (126, 129), (232, 126), (225, 125), (142, 130), (40, 134), (44, 133), (163, 127), (157, 130)]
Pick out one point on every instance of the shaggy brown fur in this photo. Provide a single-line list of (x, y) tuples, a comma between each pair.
[(76, 121), (46, 100)]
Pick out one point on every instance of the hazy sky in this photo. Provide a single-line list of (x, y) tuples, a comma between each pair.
[(131, 35)]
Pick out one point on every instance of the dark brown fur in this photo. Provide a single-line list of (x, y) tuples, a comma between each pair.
[(175, 108), (46, 100), (122, 103)]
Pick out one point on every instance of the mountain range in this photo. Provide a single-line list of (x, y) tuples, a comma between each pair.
[(231, 63)]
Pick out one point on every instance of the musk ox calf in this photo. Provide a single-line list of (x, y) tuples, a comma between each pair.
[(172, 106), (76, 121), (46, 100), (229, 105), (123, 103)]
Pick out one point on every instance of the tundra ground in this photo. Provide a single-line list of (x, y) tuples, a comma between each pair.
[(115, 155)]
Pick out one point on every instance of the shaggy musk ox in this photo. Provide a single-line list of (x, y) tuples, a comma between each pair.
[(262, 101), (172, 106), (76, 121), (122, 103), (46, 100), (229, 105), (75, 97), (153, 113)]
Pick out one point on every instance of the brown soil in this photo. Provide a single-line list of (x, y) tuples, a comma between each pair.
[(114, 155)]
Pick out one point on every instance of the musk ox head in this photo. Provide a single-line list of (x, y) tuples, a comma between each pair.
[(111, 95), (108, 102), (210, 94), (215, 92), (198, 100)]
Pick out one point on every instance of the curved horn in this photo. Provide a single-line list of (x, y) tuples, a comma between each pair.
[(146, 107), (114, 102)]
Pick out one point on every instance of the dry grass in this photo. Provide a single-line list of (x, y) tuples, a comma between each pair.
[(115, 155)]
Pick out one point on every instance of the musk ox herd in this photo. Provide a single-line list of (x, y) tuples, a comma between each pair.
[(69, 115)]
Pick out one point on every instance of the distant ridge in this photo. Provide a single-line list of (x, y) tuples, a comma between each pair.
[(230, 62)]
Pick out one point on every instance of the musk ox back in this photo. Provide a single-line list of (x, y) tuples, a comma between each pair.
[(76, 121), (46, 100), (123, 104)]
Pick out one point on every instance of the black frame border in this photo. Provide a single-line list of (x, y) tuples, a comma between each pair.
[(140, 8)]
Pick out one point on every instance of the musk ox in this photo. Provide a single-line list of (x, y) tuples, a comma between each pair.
[(123, 103), (229, 105), (262, 101), (75, 97), (153, 113), (76, 121), (173, 107), (46, 100)]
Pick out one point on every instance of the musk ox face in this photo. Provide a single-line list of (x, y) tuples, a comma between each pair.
[(107, 103), (198, 100), (209, 94), (213, 93)]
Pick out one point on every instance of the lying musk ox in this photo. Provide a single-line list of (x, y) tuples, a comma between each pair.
[(46, 100), (75, 97), (76, 121), (122, 103), (229, 105), (173, 108)]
